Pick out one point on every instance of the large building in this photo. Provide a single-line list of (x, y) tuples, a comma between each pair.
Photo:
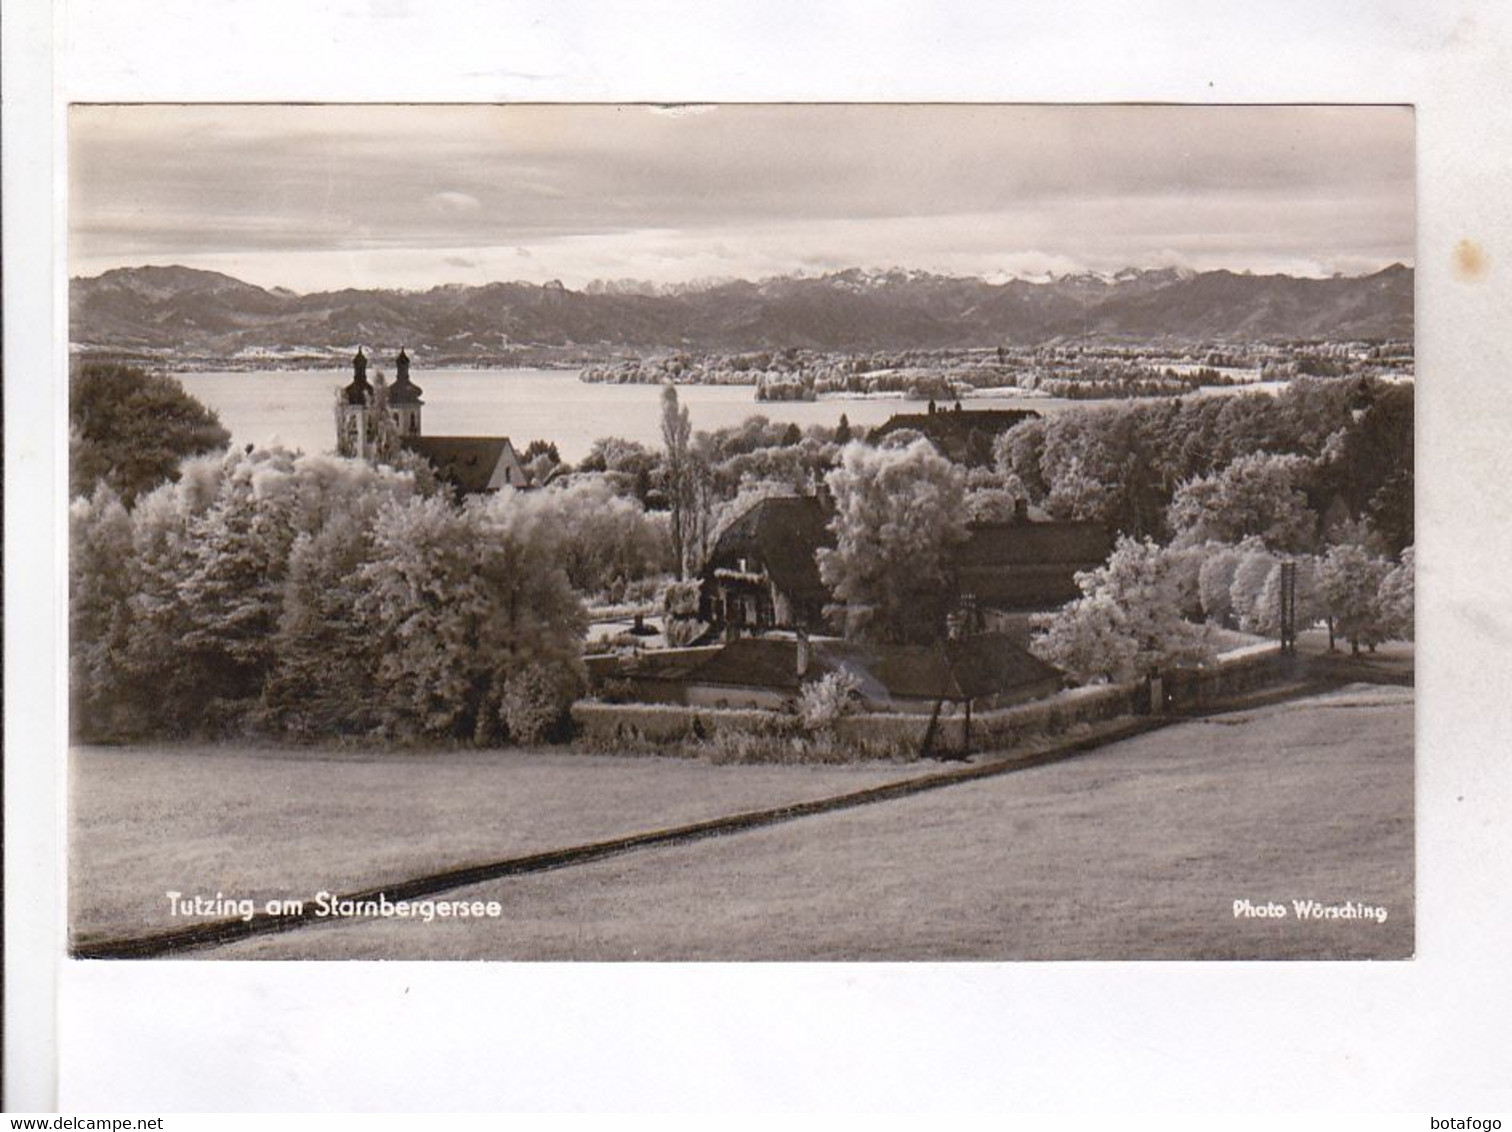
[(763, 572), (966, 436), (375, 420)]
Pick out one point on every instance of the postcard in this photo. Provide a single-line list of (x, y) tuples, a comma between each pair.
[(562, 560)]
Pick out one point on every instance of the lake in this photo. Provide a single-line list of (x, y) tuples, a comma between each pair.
[(294, 407)]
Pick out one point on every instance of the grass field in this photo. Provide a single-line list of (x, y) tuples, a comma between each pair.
[(1137, 850), (262, 822)]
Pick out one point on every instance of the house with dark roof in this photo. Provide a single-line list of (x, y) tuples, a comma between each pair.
[(964, 435), (1027, 565), (471, 465), (982, 672), (764, 574)]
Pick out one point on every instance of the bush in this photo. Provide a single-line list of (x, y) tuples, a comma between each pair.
[(533, 704), (683, 631), (681, 599), (824, 702)]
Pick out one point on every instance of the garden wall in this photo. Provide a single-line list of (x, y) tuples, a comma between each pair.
[(667, 728), (677, 729), (1241, 670)]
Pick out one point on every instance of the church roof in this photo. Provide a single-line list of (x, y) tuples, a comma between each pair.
[(356, 391), (944, 422), (466, 462), (404, 391)]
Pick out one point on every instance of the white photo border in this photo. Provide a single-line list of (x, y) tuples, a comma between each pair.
[(234, 1036)]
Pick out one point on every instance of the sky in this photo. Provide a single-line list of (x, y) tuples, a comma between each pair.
[(321, 197)]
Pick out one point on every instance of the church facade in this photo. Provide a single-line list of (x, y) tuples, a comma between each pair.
[(376, 421)]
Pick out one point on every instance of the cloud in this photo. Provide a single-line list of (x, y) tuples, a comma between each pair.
[(452, 203), (580, 192), (459, 261)]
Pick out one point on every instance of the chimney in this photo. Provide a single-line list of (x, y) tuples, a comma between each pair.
[(802, 654)]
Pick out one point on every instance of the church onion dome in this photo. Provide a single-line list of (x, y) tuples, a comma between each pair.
[(403, 391), (356, 391)]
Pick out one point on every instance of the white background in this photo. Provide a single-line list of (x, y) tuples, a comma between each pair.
[(1426, 1034)]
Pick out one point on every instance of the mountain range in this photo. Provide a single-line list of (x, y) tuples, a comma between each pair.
[(185, 311)]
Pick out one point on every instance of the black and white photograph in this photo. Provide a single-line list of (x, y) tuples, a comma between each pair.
[(741, 532)]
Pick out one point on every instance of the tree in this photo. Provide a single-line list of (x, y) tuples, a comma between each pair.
[(164, 688), (898, 511), (323, 675), (993, 505), (462, 600), (321, 683), (232, 587), (1215, 582), (1247, 592), (1186, 579), (1265, 616), (677, 432), (99, 627), (1088, 640), (629, 466), (383, 431), (1128, 622), (1350, 581), (426, 602), (1397, 602), (843, 431), (902, 438), (541, 460), (1121, 465), (1256, 495), (546, 448), (1020, 451), (602, 536), (131, 429), (1079, 496), (1371, 460)]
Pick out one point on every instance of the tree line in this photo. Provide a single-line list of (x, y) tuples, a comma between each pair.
[(312, 595), (215, 592), (1209, 499)]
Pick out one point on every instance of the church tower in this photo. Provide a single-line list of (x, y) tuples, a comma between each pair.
[(358, 433), (352, 425), (404, 398)]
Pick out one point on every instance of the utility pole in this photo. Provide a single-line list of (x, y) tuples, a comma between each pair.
[(1289, 608)]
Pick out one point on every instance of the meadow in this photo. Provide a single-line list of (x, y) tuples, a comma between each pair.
[(1137, 850)]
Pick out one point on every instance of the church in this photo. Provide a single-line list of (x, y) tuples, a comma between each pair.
[(375, 420)]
